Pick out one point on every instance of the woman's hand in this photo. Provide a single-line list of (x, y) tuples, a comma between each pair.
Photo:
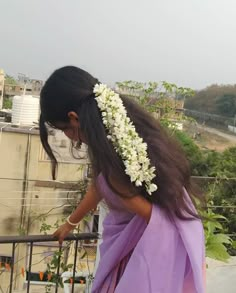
[(62, 232), (88, 203)]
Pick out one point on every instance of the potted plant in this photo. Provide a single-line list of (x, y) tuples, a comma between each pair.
[(80, 282)]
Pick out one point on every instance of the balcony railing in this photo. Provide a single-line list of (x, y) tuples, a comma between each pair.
[(30, 240)]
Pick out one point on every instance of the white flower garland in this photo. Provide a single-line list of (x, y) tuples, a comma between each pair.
[(126, 141)]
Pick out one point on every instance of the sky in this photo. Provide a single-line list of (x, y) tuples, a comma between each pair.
[(188, 42)]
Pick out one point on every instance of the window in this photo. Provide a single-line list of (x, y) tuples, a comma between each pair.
[(5, 260)]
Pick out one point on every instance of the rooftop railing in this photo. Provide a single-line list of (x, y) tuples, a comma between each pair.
[(30, 240)]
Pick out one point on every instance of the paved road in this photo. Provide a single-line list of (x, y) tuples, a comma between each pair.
[(230, 137)]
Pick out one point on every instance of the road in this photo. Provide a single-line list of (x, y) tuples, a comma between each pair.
[(230, 137)]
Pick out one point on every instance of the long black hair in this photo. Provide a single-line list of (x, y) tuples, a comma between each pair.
[(71, 89)]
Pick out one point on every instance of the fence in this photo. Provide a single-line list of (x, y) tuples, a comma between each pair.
[(43, 238)]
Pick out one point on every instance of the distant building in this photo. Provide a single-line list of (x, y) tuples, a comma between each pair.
[(1, 87), (31, 87), (23, 85), (1, 80), (27, 191)]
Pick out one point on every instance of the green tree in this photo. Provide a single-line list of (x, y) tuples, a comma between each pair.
[(10, 80), (7, 103), (156, 97), (226, 105), (215, 99), (195, 156), (203, 163)]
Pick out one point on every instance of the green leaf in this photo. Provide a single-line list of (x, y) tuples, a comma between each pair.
[(234, 244), (222, 238), (219, 238), (217, 216), (217, 251), (212, 225)]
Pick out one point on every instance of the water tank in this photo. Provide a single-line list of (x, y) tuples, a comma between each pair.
[(25, 110)]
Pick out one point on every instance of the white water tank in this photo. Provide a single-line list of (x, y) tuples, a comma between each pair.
[(25, 110)]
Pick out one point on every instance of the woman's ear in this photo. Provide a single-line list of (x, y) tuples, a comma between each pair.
[(73, 119)]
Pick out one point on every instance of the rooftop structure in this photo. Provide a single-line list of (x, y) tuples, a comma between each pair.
[(28, 195)]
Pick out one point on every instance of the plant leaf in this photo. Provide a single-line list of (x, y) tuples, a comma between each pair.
[(217, 251)]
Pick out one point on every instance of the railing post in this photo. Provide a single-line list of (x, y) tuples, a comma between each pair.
[(30, 240), (74, 268), (29, 269), (12, 267), (58, 268)]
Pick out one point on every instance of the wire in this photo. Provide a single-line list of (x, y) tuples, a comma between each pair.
[(38, 180), (44, 198), (69, 182), (211, 177), (40, 198), (38, 191), (72, 204), (30, 205), (223, 207)]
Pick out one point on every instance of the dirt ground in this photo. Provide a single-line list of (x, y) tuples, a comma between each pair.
[(210, 138)]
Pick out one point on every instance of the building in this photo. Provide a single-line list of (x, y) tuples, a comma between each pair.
[(1, 87), (23, 85), (31, 203), (31, 87)]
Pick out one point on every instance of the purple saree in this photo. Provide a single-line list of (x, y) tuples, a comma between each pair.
[(162, 256)]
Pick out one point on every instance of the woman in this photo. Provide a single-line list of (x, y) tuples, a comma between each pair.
[(153, 238)]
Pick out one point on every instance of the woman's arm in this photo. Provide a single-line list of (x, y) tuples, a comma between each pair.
[(138, 205), (88, 203)]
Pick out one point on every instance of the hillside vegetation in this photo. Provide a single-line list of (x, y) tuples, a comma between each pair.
[(215, 99)]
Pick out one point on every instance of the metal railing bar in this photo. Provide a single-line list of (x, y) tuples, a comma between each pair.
[(12, 267), (29, 268), (58, 268), (74, 268), (47, 238)]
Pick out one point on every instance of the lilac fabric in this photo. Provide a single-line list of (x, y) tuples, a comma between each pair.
[(167, 256)]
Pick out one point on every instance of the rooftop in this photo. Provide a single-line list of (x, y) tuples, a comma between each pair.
[(10, 127)]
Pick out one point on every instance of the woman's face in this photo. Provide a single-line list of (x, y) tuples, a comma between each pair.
[(72, 128), (70, 132)]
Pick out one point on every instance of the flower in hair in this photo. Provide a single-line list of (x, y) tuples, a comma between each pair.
[(125, 139)]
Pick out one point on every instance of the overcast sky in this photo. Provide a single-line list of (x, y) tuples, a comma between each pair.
[(188, 42)]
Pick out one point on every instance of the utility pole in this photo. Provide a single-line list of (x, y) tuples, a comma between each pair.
[(23, 78)]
